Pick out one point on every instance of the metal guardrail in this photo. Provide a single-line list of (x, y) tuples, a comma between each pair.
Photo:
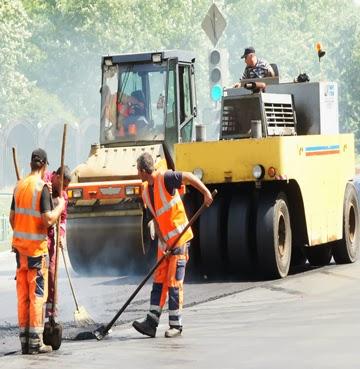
[(5, 229)]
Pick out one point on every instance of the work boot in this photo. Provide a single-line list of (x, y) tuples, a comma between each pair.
[(24, 340), (147, 326), (173, 332), (36, 344)]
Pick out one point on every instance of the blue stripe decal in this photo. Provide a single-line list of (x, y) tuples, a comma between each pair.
[(322, 148)]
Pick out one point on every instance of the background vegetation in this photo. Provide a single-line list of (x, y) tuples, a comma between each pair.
[(51, 49)]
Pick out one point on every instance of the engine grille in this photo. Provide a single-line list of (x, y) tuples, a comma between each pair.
[(276, 112)]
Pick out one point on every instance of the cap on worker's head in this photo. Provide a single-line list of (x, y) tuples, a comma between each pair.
[(139, 95), (247, 51), (67, 172), (39, 156)]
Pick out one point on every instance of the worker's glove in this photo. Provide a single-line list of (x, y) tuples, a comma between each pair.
[(151, 226)]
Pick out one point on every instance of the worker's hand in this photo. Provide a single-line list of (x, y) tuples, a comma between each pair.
[(208, 199), (61, 203), (49, 184), (237, 85)]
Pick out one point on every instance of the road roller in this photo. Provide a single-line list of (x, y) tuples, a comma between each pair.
[(147, 104)]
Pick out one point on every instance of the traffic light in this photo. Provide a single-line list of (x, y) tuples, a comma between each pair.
[(218, 70)]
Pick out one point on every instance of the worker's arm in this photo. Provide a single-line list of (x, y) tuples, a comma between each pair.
[(271, 72), (49, 216), (189, 178), (11, 218)]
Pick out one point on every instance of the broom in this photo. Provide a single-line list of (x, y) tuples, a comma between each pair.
[(81, 316)]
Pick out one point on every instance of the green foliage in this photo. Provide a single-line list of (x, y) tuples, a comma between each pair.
[(285, 32), (14, 33), (50, 61)]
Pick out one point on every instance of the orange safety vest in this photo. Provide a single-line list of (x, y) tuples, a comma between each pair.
[(169, 211), (132, 130), (30, 234)]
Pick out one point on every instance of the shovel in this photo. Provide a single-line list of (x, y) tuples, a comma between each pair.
[(52, 335), (102, 331)]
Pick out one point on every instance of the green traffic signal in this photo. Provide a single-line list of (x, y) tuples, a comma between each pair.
[(216, 93)]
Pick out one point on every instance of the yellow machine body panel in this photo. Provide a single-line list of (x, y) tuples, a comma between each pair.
[(321, 166)]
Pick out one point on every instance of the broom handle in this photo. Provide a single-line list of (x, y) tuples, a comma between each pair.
[(166, 254), (58, 221), (69, 279), (15, 164)]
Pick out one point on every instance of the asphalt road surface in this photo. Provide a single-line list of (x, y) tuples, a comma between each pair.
[(308, 320)]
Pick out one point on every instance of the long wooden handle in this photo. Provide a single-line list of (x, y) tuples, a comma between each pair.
[(58, 222), (15, 164)]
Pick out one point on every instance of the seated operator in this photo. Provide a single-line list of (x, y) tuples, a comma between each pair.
[(136, 119), (255, 67)]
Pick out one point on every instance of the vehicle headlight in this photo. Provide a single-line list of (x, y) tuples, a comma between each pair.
[(258, 171), (132, 190), (199, 173), (77, 193)]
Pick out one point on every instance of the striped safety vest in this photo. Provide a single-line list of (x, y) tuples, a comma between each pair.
[(29, 237), (169, 211)]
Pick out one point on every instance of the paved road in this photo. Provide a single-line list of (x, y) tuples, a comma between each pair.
[(309, 320)]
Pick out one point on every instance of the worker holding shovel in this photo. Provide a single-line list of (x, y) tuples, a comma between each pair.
[(161, 197), (53, 179), (30, 217)]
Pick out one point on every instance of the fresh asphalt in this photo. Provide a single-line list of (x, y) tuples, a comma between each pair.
[(308, 320)]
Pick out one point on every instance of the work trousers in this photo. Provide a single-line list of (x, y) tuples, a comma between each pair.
[(169, 281), (31, 287)]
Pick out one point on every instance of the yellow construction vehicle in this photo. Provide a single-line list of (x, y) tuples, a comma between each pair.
[(285, 178), (147, 103), (285, 175)]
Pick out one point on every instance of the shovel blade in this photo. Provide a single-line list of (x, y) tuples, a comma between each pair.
[(52, 335)]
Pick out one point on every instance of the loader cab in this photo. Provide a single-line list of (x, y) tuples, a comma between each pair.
[(147, 98)]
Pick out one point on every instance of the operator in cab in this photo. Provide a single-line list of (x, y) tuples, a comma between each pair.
[(136, 120), (255, 68)]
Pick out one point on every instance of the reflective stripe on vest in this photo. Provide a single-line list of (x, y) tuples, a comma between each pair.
[(168, 210), (33, 212), (30, 234)]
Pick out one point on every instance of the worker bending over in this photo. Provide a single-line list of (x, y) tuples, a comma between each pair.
[(161, 197)]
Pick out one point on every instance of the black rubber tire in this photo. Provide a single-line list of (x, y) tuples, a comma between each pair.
[(211, 233), (346, 250), (238, 245), (319, 255), (273, 235), (298, 257)]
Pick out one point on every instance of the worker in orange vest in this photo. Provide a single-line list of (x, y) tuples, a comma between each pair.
[(161, 197), (30, 216)]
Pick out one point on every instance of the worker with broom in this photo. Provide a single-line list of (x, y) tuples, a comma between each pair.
[(30, 217), (53, 181), (161, 197)]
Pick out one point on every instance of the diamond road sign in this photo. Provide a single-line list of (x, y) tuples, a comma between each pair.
[(213, 24)]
